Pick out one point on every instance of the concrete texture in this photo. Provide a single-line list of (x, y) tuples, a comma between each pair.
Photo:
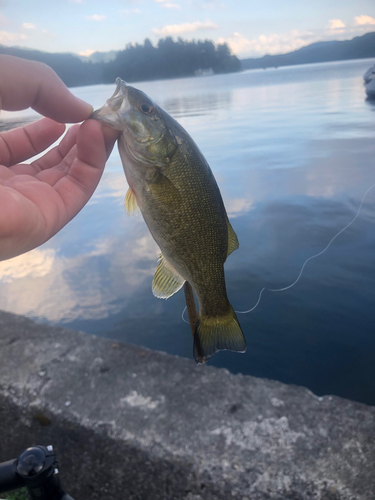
[(129, 423)]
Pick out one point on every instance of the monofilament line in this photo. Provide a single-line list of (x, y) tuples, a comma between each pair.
[(310, 258), (183, 316)]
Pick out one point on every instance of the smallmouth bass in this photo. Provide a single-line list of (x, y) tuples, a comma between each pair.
[(171, 183)]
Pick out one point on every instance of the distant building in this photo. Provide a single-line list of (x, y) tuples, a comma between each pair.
[(204, 72)]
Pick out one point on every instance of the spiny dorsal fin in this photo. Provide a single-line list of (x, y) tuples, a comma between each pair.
[(131, 205), (232, 239), (167, 280)]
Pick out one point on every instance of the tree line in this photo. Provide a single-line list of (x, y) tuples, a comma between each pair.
[(139, 62)]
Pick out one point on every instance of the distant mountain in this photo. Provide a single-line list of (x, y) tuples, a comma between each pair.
[(317, 45), (95, 57), (99, 57), (358, 48), (70, 68)]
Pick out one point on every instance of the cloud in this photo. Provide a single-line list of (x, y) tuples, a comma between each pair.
[(96, 17), (9, 38), (86, 53), (29, 26), (361, 20), (268, 44), (206, 4), (25, 31), (335, 24), (4, 21), (166, 5), (179, 29), (75, 1), (127, 12)]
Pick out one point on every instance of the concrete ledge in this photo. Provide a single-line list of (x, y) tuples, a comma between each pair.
[(129, 423)]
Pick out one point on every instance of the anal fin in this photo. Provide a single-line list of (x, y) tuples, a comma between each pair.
[(167, 280)]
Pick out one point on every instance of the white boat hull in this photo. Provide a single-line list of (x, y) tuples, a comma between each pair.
[(369, 81), (370, 89)]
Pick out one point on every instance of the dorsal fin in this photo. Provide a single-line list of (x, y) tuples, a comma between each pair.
[(232, 239), (131, 205), (167, 280)]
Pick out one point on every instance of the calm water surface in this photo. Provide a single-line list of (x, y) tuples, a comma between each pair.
[(293, 151)]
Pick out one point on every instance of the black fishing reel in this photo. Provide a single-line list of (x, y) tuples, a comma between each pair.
[(36, 469)]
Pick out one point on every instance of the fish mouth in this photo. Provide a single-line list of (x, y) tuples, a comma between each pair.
[(113, 104), (121, 88)]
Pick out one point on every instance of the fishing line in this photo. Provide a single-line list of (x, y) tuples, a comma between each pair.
[(310, 258), (304, 264), (182, 316)]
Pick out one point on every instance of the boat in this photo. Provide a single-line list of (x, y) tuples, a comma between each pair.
[(369, 81)]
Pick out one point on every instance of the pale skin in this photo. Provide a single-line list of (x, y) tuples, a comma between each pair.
[(38, 199)]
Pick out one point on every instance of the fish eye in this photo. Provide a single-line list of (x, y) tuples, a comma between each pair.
[(147, 109)]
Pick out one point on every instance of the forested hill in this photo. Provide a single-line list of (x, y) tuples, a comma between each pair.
[(357, 48), (169, 59)]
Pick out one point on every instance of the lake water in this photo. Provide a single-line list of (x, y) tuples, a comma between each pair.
[(293, 151)]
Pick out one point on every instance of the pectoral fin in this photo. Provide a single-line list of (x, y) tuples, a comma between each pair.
[(131, 205), (232, 239), (167, 280)]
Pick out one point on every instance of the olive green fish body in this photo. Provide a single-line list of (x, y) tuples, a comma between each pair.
[(173, 186), (188, 224)]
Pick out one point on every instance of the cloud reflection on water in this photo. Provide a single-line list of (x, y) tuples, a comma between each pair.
[(90, 286), (34, 264)]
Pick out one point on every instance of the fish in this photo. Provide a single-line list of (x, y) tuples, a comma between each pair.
[(172, 185)]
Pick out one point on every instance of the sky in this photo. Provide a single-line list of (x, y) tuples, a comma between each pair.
[(251, 28)]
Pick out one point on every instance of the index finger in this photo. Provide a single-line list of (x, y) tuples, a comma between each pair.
[(25, 84)]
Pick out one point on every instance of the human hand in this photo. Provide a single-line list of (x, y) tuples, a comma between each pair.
[(39, 199)]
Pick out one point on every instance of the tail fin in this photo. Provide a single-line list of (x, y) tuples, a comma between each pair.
[(217, 333)]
